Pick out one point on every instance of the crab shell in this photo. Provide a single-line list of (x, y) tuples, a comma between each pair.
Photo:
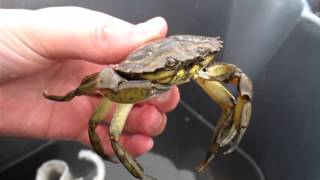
[(160, 53)]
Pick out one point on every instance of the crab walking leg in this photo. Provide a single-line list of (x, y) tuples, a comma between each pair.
[(242, 116), (231, 73), (227, 103), (97, 118), (87, 87), (115, 130), (231, 131)]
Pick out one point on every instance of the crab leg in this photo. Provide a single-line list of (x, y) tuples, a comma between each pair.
[(226, 101), (235, 117), (98, 118), (87, 87), (115, 130)]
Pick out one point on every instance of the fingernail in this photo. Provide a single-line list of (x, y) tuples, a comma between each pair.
[(149, 29), (149, 144), (165, 97)]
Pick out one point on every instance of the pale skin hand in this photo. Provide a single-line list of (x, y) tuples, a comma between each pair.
[(53, 49)]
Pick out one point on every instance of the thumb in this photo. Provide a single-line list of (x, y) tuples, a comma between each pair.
[(77, 33)]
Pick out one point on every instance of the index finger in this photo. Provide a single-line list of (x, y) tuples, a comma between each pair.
[(167, 101), (63, 33)]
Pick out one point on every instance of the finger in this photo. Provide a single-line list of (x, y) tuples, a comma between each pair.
[(135, 144), (146, 119), (78, 33), (167, 101)]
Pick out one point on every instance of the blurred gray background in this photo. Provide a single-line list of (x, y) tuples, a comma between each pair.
[(277, 43)]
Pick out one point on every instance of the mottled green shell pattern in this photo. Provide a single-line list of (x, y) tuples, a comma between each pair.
[(155, 55)]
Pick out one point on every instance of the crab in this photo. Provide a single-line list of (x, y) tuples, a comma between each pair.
[(153, 69)]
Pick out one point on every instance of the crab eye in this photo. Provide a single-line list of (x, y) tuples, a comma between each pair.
[(171, 61)]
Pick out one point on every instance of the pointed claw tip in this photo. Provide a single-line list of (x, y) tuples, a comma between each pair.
[(110, 159), (230, 150), (147, 177), (204, 164), (114, 161), (201, 167), (48, 96), (45, 93)]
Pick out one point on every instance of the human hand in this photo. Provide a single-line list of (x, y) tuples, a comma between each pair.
[(53, 49)]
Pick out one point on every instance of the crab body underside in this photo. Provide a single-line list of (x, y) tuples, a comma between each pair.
[(151, 70)]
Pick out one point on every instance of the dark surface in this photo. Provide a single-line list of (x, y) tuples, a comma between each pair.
[(13, 150), (286, 109), (315, 5), (266, 38), (27, 167), (182, 144)]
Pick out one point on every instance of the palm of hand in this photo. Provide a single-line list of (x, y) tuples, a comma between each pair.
[(26, 72), (24, 97)]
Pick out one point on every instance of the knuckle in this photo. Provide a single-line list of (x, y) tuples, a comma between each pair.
[(101, 34)]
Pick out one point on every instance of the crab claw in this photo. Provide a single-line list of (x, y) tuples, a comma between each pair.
[(236, 113)]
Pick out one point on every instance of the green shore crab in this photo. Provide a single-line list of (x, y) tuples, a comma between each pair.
[(151, 70)]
